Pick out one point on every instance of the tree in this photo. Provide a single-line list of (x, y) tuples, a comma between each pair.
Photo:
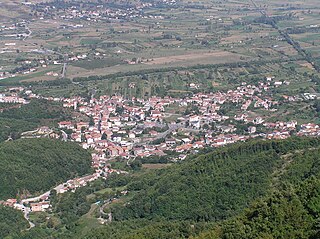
[(104, 136), (136, 164), (91, 122)]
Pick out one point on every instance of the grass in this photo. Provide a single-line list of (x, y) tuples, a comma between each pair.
[(36, 75), (109, 190), (88, 221), (98, 63), (90, 41)]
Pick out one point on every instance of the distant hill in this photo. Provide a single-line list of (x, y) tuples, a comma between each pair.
[(36, 165)]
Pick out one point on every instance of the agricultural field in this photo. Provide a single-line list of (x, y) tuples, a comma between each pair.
[(161, 48), (179, 34)]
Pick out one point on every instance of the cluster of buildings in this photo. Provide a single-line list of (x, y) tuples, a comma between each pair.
[(42, 203), (119, 127), (84, 12), (116, 127), (94, 12), (13, 97)]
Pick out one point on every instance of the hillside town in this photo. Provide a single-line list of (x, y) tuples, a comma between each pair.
[(126, 129), (135, 127), (96, 12)]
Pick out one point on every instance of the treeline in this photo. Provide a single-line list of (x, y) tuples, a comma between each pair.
[(37, 111), (29, 166), (12, 128), (176, 69)]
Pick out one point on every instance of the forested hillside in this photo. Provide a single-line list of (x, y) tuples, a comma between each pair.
[(258, 189), (11, 222), (211, 187), (292, 210), (35, 165)]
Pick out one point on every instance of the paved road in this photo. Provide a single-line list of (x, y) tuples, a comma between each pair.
[(64, 136), (64, 70), (288, 38), (29, 34)]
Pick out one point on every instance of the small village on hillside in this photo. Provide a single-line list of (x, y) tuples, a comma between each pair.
[(167, 127)]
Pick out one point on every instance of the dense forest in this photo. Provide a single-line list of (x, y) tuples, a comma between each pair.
[(211, 187), (11, 222), (35, 165), (14, 121), (264, 189), (257, 189)]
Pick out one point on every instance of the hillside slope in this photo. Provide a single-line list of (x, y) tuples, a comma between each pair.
[(211, 187), (290, 211), (11, 221), (258, 189), (36, 165)]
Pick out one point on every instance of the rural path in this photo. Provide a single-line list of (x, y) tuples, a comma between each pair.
[(295, 44), (64, 70), (130, 161), (101, 210), (64, 136), (29, 33), (26, 216)]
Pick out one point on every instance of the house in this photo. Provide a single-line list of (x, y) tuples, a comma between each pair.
[(66, 125), (141, 115), (76, 137), (131, 135), (195, 121), (39, 207), (44, 130), (184, 147), (155, 114), (198, 145), (89, 139), (252, 129), (114, 151), (9, 202), (258, 120), (138, 151), (219, 142), (153, 133), (186, 140), (170, 142), (81, 125)]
